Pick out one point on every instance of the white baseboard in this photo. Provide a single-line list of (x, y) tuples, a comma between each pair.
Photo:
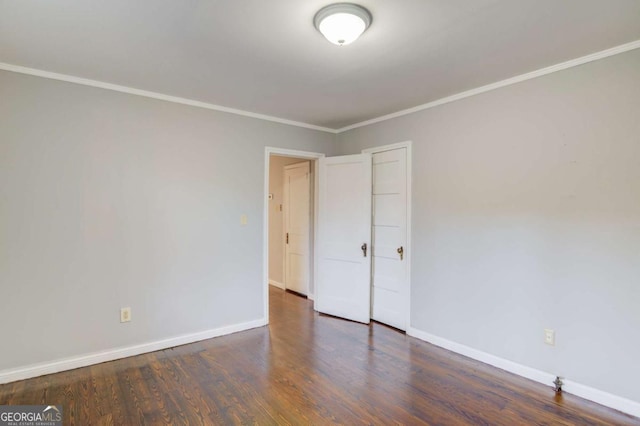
[(311, 296), (71, 363), (609, 400), (604, 398), (276, 284), (513, 367)]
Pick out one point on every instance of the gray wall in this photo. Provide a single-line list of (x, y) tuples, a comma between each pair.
[(111, 200), (526, 215)]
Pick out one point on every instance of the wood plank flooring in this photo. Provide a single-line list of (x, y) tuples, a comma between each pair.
[(304, 369)]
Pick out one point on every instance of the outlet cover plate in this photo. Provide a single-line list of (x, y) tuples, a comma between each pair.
[(125, 314)]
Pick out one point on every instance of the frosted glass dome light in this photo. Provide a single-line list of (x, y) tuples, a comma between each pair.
[(342, 23)]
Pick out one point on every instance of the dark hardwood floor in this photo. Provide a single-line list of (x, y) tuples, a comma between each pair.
[(304, 369)]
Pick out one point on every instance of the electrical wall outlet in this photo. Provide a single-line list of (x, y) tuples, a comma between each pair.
[(549, 336), (125, 314)]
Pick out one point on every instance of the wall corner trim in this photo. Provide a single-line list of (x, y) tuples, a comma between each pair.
[(41, 369), (609, 400)]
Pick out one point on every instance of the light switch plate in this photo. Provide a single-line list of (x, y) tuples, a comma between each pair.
[(549, 337)]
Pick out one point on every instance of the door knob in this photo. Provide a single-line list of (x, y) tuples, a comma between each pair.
[(364, 249), (401, 252)]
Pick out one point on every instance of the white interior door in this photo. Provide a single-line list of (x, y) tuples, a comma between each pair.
[(296, 227), (344, 231), (389, 235)]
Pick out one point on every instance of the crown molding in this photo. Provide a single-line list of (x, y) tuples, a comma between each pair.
[(503, 83), (155, 95), (190, 102)]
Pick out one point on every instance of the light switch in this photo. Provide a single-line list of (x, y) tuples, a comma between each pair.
[(549, 337), (243, 219)]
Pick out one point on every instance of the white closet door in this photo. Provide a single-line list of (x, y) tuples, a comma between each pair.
[(389, 236)]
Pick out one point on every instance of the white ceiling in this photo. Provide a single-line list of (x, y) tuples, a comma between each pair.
[(266, 57)]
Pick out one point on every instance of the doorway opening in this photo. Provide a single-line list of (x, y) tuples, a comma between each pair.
[(290, 213), (290, 223), (362, 204)]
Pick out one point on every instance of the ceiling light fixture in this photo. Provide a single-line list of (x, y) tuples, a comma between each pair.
[(342, 23)]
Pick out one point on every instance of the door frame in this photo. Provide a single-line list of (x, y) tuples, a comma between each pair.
[(283, 152), (407, 145)]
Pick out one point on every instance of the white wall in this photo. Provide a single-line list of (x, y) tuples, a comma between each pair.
[(276, 216), (111, 200), (526, 215)]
